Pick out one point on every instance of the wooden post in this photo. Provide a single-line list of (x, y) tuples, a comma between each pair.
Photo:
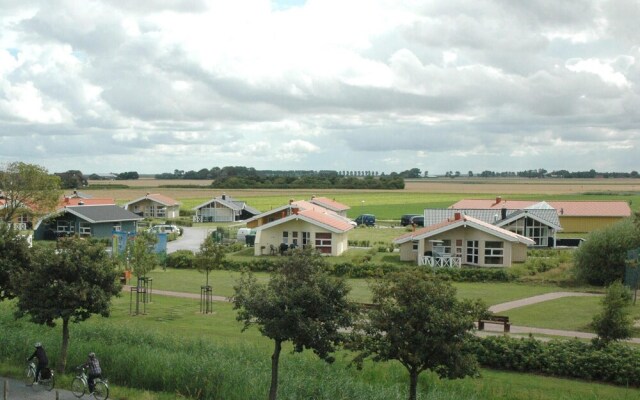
[(5, 390)]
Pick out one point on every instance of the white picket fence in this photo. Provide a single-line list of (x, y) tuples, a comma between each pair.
[(445, 262)]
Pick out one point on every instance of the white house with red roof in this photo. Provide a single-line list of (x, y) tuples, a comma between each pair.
[(463, 240), (574, 216), (300, 223), (154, 205)]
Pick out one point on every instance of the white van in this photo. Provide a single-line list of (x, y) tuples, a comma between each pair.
[(242, 234)]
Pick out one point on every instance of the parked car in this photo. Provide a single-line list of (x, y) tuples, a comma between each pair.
[(406, 219), (418, 221), (165, 229), (366, 219)]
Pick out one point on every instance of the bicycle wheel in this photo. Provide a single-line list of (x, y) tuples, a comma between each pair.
[(101, 390), (78, 387), (48, 383), (29, 373)]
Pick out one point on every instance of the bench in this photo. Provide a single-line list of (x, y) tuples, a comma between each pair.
[(495, 319)]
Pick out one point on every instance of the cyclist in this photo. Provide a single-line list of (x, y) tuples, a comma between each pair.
[(43, 361), (93, 364)]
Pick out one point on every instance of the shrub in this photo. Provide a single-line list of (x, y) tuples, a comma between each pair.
[(600, 259), (613, 363), (181, 259)]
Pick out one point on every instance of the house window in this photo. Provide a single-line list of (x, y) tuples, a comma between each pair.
[(117, 227), (494, 253), (537, 231), (85, 229), (161, 212), (306, 238), (64, 226), (446, 247), (294, 238), (323, 242), (149, 211), (414, 245), (285, 237), (472, 252)]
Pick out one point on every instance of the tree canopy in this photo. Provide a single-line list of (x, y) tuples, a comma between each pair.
[(417, 320), (210, 256), (14, 255), (600, 260), (301, 304), (70, 283), (28, 187)]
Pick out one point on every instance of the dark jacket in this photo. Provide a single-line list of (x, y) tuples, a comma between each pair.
[(41, 355)]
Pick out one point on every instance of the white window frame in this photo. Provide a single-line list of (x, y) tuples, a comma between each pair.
[(85, 229), (494, 255), (473, 252)]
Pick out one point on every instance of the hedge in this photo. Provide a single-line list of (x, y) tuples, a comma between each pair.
[(615, 363), (371, 269)]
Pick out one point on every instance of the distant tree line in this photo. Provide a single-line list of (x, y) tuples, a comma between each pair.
[(563, 173), (393, 181)]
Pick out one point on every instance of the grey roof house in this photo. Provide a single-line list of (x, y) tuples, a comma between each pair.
[(97, 221), (537, 222), (223, 209)]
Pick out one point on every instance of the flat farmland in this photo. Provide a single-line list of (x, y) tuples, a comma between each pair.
[(388, 204)]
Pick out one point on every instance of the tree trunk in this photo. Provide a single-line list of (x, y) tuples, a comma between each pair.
[(62, 361), (413, 384), (275, 358)]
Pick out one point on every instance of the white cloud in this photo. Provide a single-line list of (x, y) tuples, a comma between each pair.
[(322, 84)]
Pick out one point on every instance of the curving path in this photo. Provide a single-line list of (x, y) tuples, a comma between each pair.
[(537, 299)]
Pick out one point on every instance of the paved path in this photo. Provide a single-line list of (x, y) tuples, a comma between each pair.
[(537, 299), (16, 389), (127, 289)]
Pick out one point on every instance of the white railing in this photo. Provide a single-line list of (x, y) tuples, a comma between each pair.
[(21, 226), (446, 262)]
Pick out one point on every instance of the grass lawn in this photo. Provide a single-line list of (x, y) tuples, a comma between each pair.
[(569, 313), (222, 281)]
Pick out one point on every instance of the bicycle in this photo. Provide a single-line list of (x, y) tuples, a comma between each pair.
[(80, 385), (46, 378)]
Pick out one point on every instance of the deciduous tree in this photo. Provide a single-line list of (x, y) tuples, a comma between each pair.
[(600, 260), (417, 320), (210, 256), (28, 186), (67, 283), (14, 255), (301, 303)]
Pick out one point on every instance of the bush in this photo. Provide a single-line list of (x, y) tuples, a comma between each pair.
[(600, 259), (614, 363), (181, 259)]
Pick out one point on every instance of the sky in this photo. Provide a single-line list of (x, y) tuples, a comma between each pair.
[(373, 85)]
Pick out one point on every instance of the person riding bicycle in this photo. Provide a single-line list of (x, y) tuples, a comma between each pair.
[(93, 364), (43, 361)]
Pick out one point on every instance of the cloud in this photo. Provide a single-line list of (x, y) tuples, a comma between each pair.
[(320, 84)]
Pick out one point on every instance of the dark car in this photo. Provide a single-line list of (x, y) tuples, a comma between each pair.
[(366, 219), (406, 219), (418, 221)]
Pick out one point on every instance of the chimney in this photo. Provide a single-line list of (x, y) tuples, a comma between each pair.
[(290, 201), (81, 203), (224, 196), (457, 216), (498, 199), (313, 196), (503, 213)]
